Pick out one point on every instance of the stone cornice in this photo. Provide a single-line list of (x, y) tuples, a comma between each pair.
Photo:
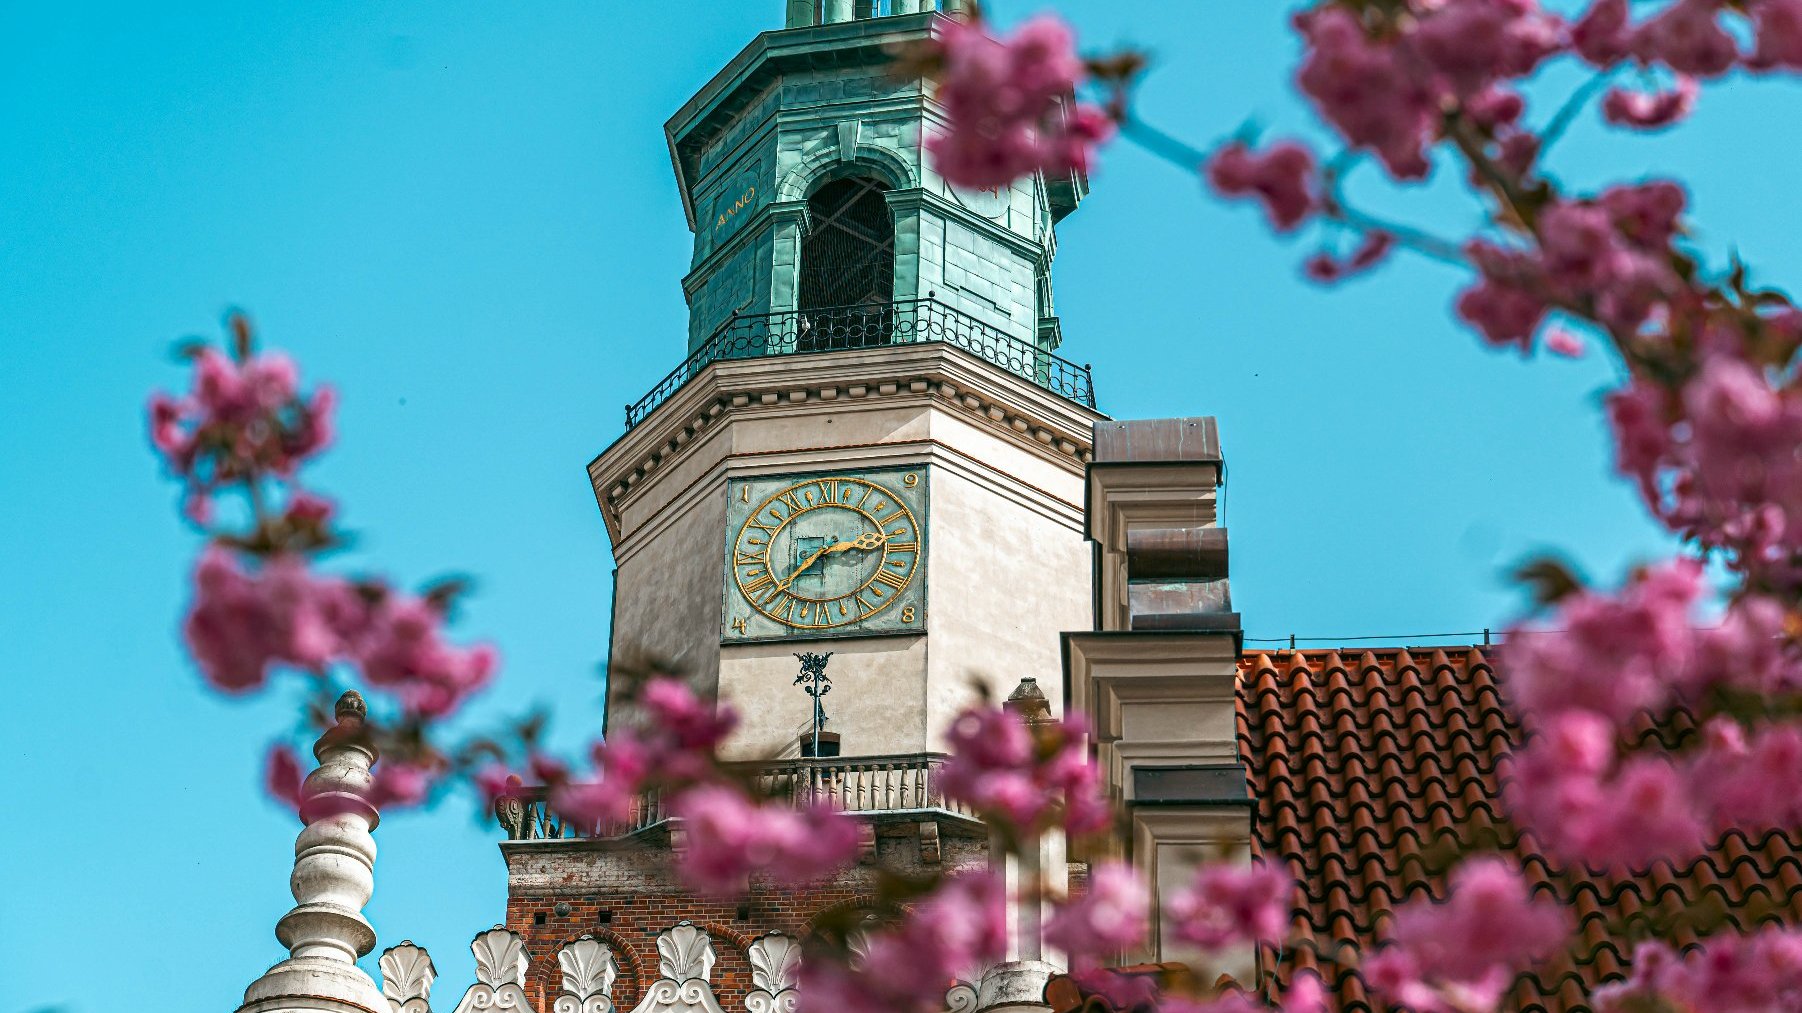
[(1027, 415)]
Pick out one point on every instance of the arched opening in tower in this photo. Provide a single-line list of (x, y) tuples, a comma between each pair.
[(847, 286)]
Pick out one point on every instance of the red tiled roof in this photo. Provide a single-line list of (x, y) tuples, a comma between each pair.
[(1372, 772)]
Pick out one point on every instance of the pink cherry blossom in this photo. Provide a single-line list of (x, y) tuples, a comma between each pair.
[(1460, 953), (1603, 35), (1009, 105), (1687, 37), (1778, 26), (282, 775), (1367, 91), (1228, 904), (958, 928), (1650, 110), (1615, 655), (1504, 304), (1281, 178), (400, 785), (1756, 973), (400, 649), (1112, 916), (1024, 777), (1560, 341), (730, 838), (1749, 783), (1646, 214), (691, 723), (1473, 42)]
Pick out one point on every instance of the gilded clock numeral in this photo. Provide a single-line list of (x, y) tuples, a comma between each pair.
[(904, 546), (747, 559), (867, 607), (738, 626), (883, 576), (785, 608), (767, 530), (791, 500), (756, 587), (829, 490), (907, 614)]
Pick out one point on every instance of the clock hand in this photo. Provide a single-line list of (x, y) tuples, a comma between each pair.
[(867, 540)]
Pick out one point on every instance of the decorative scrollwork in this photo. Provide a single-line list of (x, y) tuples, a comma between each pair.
[(407, 975), (691, 996), (961, 998)]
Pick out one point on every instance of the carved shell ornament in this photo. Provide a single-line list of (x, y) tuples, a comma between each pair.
[(500, 957), (775, 968), (685, 952), (588, 973), (407, 976), (775, 962)]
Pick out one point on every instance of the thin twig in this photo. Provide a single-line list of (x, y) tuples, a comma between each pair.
[(1567, 113)]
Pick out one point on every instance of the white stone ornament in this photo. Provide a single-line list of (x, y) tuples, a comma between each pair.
[(588, 973), (500, 973), (685, 961), (961, 998), (685, 952), (407, 976), (775, 968), (333, 877)]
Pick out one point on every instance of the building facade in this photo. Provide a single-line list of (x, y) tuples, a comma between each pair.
[(871, 461)]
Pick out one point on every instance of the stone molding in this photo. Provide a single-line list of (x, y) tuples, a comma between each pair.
[(1044, 423)]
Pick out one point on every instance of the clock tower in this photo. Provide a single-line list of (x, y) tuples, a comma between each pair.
[(870, 445)]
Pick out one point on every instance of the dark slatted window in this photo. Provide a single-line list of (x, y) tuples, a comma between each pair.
[(847, 265)]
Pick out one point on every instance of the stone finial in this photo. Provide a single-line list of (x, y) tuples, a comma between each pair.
[(1028, 701), (334, 876)]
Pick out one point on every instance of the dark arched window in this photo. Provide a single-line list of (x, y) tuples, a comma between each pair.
[(847, 267)]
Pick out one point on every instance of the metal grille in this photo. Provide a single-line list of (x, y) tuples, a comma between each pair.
[(848, 257), (846, 327)]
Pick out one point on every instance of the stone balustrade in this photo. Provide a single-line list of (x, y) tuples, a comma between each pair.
[(862, 785)]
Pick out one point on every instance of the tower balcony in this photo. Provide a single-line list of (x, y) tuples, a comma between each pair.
[(866, 326), (900, 785)]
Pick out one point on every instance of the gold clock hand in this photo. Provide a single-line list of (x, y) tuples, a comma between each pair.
[(867, 540)]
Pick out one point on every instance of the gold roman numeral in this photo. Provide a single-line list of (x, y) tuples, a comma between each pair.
[(747, 559), (883, 576), (904, 546)]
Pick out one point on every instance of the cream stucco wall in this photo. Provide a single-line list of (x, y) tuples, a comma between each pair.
[(1007, 566)]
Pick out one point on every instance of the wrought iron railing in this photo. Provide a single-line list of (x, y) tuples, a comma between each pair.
[(867, 785), (912, 321)]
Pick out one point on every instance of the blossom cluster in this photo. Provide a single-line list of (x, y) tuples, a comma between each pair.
[(906, 966), (1025, 776), (1010, 104), (1460, 954), (1753, 973), (245, 428)]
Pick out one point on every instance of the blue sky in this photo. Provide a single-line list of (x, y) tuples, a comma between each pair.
[(463, 216)]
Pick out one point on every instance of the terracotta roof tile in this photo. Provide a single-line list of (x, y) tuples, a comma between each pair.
[(1371, 773)]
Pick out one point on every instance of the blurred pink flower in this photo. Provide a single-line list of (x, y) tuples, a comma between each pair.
[(1281, 178), (1228, 904), (1110, 917), (1650, 110), (730, 838), (1010, 105), (282, 775), (1460, 953)]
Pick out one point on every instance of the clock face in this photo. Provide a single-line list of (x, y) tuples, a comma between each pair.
[(833, 554)]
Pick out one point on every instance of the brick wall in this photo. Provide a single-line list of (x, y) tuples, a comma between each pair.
[(624, 896)]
